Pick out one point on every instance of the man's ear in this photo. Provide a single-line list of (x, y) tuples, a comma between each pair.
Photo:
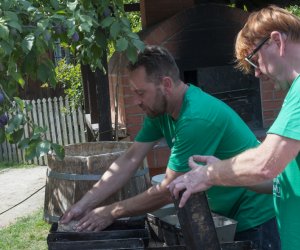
[(280, 41), (167, 83)]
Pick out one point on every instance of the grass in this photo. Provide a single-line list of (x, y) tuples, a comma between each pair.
[(5, 165), (28, 233)]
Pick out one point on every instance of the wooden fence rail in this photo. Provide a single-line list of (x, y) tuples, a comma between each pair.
[(63, 128)]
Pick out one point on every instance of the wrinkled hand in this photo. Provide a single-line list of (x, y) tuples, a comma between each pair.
[(96, 220), (193, 181), (73, 213)]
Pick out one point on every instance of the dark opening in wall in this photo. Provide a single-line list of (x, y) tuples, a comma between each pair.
[(241, 92), (190, 76)]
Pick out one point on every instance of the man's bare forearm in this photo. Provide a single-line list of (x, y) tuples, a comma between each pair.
[(255, 165), (150, 200), (117, 175)]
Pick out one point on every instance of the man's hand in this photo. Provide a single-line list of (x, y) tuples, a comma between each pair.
[(96, 220), (193, 181), (75, 212)]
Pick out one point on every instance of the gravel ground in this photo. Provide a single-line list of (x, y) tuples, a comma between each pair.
[(15, 186)]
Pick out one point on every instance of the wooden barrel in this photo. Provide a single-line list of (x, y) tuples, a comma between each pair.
[(84, 164)]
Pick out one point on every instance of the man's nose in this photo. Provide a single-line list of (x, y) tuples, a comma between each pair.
[(257, 72), (137, 100)]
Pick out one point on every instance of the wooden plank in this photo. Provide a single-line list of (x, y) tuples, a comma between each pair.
[(41, 123), (31, 129), (51, 121), (81, 125), (13, 152), (75, 125), (1, 153), (63, 121), (35, 120), (9, 152), (69, 123), (197, 223), (57, 120), (46, 118)]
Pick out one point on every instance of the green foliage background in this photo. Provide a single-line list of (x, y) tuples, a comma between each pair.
[(69, 77)]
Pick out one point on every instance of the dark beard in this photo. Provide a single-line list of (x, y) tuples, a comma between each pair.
[(160, 105)]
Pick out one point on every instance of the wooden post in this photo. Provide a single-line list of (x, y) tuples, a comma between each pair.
[(197, 224)]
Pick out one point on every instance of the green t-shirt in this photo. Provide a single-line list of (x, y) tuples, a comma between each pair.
[(286, 188), (208, 126)]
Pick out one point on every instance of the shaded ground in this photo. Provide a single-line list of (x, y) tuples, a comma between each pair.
[(15, 186)]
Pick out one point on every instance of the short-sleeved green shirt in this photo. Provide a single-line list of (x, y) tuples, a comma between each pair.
[(286, 189), (208, 126)]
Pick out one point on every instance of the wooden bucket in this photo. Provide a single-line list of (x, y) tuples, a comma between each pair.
[(83, 165)]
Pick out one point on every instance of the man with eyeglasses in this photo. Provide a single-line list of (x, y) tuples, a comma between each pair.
[(269, 45)]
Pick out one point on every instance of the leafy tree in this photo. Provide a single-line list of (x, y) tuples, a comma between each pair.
[(69, 77), (28, 32)]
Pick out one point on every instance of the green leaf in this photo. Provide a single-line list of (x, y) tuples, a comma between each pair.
[(27, 43), (100, 38), (4, 32), (5, 48), (121, 44), (27, 5), (18, 77), (84, 27), (28, 107), (24, 143), (16, 25), (59, 150), (43, 24), (55, 4), (2, 135), (72, 5), (43, 72), (138, 44), (106, 22), (39, 130), (125, 21), (59, 14), (133, 35), (30, 152), (131, 53), (20, 102), (43, 148), (14, 122), (115, 29), (10, 16), (16, 136)]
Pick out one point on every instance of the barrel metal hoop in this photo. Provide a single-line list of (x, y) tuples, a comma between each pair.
[(85, 177), (51, 218)]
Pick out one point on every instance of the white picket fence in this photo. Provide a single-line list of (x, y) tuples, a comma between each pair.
[(63, 128)]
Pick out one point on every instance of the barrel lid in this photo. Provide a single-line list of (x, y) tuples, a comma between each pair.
[(156, 179)]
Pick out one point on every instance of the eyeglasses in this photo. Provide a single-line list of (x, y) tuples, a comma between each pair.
[(249, 57)]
